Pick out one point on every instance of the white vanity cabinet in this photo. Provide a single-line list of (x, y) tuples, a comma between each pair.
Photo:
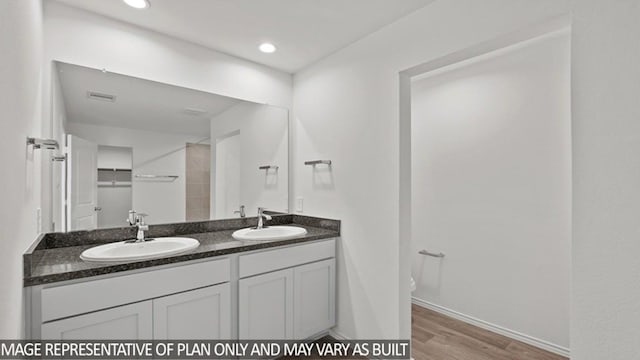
[(180, 302), (133, 321), (314, 298), (265, 305), (287, 293), (202, 314), (277, 293)]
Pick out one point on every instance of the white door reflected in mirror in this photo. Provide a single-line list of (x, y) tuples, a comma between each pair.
[(82, 184)]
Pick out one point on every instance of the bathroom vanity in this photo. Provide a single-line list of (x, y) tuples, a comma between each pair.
[(224, 289), (198, 163)]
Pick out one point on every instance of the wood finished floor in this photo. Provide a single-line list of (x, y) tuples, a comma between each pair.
[(438, 337)]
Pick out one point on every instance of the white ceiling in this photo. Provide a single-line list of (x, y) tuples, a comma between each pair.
[(140, 104), (304, 31)]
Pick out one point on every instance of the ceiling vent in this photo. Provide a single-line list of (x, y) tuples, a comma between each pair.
[(100, 96), (194, 111)]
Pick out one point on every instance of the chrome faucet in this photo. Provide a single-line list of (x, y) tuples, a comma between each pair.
[(260, 216), (241, 211), (137, 219)]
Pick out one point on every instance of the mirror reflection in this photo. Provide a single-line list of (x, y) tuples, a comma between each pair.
[(173, 153)]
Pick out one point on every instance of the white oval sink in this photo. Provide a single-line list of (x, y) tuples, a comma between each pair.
[(128, 251), (269, 233)]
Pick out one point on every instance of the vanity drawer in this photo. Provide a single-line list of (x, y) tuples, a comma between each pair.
[(79, 298), (265, 261)]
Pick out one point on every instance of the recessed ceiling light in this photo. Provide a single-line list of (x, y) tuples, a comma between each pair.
[(267, 48), (138, 4)]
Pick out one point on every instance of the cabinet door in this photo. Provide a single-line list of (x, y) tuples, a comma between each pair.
[(314, 298), (203, 314), (132, 321), (265, 306)]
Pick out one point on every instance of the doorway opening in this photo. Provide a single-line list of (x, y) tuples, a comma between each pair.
[(227, 194), (485, 198), (115, 166)]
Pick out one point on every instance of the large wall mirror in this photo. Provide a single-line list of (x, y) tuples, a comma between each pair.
[(173, 153)]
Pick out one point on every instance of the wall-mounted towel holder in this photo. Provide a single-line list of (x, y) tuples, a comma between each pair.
[(318, 162), (268, 167), (47, 144), (429, 253)]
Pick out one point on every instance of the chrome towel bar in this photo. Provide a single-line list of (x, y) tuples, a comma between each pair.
[(268, 167), (48, 144), (316, 162), (428, 253)]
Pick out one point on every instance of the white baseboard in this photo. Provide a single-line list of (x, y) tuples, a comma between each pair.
[(542, 344), (337, 335)]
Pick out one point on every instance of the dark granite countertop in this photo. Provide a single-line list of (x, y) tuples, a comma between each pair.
[(56, 257)]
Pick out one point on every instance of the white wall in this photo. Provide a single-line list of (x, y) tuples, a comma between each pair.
[(263, 141), (154, 153), (346, 110), (491, 186), (20, 110), (114, 157), (606, 162)]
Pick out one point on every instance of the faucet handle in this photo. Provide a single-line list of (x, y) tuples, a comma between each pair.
[(261, 213), (241, 211)]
